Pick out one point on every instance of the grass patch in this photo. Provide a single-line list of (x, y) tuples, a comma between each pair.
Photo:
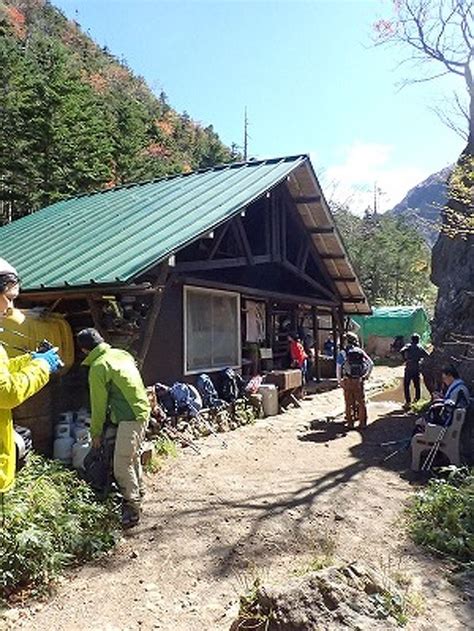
[(420, 407), (322, 555), (51, 520), (398, 599), (441, 517), (250, 614), (163, 448)]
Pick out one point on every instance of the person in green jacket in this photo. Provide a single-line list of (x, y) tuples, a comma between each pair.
[(20, 377), (117, 393)]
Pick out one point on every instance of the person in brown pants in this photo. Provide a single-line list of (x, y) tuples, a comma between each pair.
[(354, 399), (353, 366)]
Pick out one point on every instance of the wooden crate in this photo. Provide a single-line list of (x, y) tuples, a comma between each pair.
[(285, 379)]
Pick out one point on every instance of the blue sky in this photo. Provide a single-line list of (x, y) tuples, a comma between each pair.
[(307, 72)]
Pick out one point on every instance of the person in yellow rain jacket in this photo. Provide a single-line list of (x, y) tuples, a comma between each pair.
[(20, 378)]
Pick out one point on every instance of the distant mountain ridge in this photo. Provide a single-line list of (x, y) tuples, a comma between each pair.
[(422, 205)]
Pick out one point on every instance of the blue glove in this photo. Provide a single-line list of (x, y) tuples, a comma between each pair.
[(51, 357)]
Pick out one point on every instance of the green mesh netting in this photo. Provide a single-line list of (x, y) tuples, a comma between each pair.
[(393, 321)]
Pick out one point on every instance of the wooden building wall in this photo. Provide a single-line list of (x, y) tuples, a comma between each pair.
[(164, 360)]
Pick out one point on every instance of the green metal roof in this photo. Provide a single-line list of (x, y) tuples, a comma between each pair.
[(115, 235)]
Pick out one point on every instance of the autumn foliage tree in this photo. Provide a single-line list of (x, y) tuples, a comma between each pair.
[(74, 119), (438, 36)]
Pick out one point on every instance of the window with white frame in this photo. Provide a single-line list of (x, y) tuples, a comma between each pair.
[(211, 329)]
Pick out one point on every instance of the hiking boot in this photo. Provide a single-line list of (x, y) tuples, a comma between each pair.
[(130, 516)]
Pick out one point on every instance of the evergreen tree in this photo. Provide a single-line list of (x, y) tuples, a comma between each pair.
[(390, 257), (74, 119)]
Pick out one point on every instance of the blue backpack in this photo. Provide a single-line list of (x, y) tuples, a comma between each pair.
[(210, 398)]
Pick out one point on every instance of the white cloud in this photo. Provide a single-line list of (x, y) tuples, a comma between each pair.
[(363, 166)]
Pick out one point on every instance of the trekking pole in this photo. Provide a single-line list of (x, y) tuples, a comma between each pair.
[(394, 453), (173, 434), (405, 443), (428, 463), (212, 430), (389, 443)]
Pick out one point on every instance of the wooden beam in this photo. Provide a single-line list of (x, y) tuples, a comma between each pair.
[(218, 241), (251, 292), (309, 199), (334, 257), (314, 250), (309, 279), (302, 257), (355, 300), (239, 261), (283, 229), (337, 343), (322, 230), (276, 228), (159, 287), (95, 314), (267, 226), (193, 266), (344, 279), (244, 240), (73, 293), (315, 323)]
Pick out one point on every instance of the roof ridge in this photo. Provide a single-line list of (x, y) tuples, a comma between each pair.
[(173, 176)]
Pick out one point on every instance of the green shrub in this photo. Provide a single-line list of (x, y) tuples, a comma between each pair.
[(442, 515), (51, 519), (419, 407), (163, 448)]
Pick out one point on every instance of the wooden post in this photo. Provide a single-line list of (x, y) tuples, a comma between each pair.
[(268, 324), (315, 319), (334, 337), (95, 314), (159, 287)]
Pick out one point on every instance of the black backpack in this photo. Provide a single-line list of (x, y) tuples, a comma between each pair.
[(98, 464), (231, 385), (355, 362)]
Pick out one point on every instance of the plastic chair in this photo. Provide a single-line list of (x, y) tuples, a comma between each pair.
[(448, 445)]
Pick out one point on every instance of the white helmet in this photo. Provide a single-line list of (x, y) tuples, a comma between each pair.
[(6, 268)]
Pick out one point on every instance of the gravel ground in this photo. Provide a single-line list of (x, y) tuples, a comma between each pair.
[(284, 491)]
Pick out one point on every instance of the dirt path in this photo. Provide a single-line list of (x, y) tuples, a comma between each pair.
[(276, 497)]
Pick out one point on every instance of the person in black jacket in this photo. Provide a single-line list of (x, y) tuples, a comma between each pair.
[(412, 353)]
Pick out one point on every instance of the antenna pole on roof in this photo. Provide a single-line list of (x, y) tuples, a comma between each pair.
[(246, 135)]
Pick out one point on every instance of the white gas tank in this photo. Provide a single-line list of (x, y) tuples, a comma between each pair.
[(80, 449), (62, 448), (269, 394)]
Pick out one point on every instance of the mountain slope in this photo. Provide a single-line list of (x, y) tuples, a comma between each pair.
[(422, 204), (73, 118)]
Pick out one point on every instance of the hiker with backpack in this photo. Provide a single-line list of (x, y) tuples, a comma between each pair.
[(353, 367), (412, 353)]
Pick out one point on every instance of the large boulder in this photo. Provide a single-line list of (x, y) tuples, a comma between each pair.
[(453, 325), (340, 597)]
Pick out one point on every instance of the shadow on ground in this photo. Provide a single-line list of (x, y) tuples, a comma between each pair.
[(280, 521)]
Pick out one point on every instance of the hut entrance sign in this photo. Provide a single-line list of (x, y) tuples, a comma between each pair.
[(211, 330)]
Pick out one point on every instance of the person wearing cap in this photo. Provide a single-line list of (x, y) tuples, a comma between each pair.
[(20, 377), (117, 393), (353, 367)]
